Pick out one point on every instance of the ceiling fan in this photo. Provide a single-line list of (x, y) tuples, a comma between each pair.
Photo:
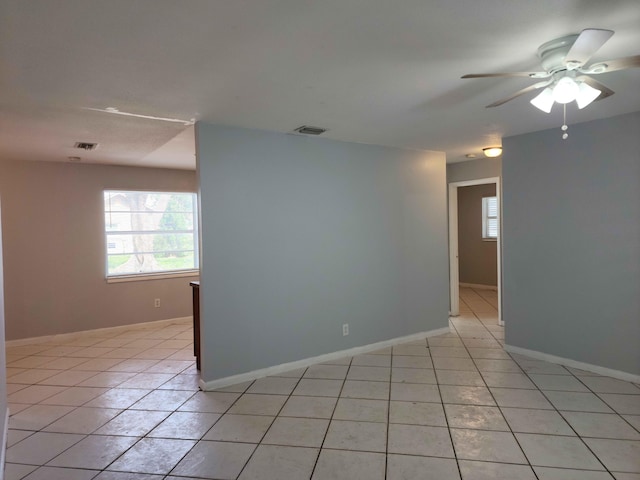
[(566, 75)]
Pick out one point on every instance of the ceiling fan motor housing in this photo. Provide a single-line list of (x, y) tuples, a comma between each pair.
[(552, 54)]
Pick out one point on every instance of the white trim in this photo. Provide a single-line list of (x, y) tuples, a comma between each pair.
[(5, 433), (136, 277), (285, 367), (73, 335), (454, 266), (609, 372), (479, 286)]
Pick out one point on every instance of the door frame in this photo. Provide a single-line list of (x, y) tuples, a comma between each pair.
[(454, 261)]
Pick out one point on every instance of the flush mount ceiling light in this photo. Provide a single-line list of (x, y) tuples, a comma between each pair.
[(492, 151)]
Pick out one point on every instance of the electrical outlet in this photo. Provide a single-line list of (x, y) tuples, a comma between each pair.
[(156, 303), (345, 329)]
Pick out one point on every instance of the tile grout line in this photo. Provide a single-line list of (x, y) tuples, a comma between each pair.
[(386, 448), (551, 403), (559, 412), (333, 412), (75, 407), (499, 407), (444, 412), (139, 439), (521, 367)]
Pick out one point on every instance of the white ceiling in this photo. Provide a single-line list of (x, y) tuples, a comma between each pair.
[(373, 71)]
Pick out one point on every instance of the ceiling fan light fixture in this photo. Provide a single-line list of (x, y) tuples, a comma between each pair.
[(543, 101), (566, 90), (492, 151), (586, 95)]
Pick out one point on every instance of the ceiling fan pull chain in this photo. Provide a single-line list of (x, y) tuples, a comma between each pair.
[(565, 135)]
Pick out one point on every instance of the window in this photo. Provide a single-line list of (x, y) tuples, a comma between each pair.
[(489, 218), (150, 232)]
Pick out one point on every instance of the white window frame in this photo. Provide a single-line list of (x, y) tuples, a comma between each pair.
[(161, 274), (486, 218)]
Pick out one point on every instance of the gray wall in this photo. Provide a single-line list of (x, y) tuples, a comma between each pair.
[(474, 169), (571, 213), (3, 371), (301, 235), (478, 258), (54, 249)]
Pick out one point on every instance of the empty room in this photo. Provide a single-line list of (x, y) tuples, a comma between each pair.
[(268, 239)]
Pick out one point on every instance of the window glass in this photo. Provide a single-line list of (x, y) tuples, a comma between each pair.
[(150, 232), (489, 218)]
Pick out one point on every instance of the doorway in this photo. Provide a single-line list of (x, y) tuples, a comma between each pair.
[(454, 259)]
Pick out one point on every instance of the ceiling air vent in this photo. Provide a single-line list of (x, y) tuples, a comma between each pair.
[(85, 146), (307, 130)]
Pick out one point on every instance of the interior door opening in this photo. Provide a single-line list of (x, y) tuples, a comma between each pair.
[(454, 259)]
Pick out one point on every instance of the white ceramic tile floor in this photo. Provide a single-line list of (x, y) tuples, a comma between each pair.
[(126, 406)]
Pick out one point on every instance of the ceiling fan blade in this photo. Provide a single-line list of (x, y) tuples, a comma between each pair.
[(604, 90), (587, 43), (508, 74), (528, 89), (613, 65)]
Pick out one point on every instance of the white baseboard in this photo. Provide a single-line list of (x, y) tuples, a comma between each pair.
[(609, 372), (307, 362), (479, 286), (74, 335), (5, 432)]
